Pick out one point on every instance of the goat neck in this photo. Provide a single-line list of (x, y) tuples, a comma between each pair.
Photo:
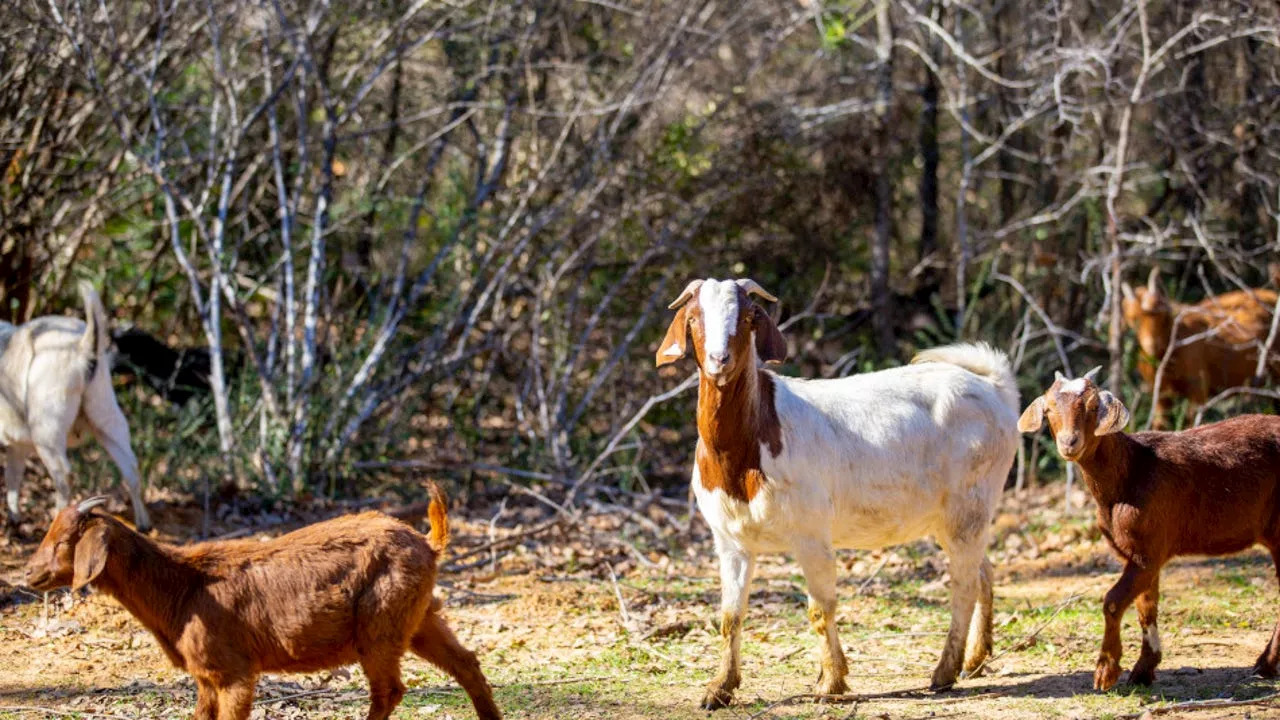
[(1106, 466), (734, 420), (148, 579)]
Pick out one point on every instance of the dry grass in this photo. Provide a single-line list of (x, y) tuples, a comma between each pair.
[(547, 622)]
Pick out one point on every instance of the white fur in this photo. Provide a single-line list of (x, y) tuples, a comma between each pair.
[(1076, 386), (48, 402), (718, 300), (1151, 634), (893, 449), (875, 460)]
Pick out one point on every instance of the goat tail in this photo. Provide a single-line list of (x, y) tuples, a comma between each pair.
[(980, 359), (94, 341), (437, 514)]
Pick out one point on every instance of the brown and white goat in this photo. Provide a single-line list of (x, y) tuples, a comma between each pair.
[(808, 466), (1231, 327), (1211, 490), (353, 589)]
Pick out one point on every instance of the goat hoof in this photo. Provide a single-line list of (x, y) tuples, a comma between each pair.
[(719, 693), (1264, 669), (1144, 671), (943, 681), (716, 698), (1106, 675), (830, 686), (1142, 676)]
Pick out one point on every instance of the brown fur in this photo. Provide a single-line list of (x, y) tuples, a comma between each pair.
[(1206, 367), (354, 589), (1211, 490), (735, 418)]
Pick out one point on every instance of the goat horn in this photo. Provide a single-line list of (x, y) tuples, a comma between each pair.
[(1092, 374), (91, 503), (753, 288), (1127, 290), (688, 292), (1059, 377), (1153, 280)]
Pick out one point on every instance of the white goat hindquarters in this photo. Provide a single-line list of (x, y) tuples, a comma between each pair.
[(875, 460)]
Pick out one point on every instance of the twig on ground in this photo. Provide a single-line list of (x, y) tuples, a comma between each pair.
[(1031, 636), (855, 699), (295, 696), (1192, 705), (60, 713), (622, 603), (561, 681), (502, 542), (874, 573), (837, 699)]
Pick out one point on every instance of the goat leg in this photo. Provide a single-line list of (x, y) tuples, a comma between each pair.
[(1267, 661), (14, 467), (1144, 671), (385, 687), (978, 648), (206, 700), (235, 699), (966, 562), (1133, 581), (818, 561), (736, 569), (435, 642)]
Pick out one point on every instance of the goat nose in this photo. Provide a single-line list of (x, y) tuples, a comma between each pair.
[(719, 357)]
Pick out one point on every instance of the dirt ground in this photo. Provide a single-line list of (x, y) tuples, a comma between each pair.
[(613, 620)]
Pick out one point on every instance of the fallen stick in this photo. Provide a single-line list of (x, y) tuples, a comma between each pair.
[(454, 564), (60, 713), (1192, 705)]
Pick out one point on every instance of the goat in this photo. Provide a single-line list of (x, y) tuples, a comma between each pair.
[(54, 387), (1232, 327), (1210, 490), (808, 466), (175, 375), (356, 588)]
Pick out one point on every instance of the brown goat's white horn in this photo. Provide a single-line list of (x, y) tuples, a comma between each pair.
[(1153, 280), (688, 292), (753, 288), (1127, 290), (91, 503), (1093, 374), (1059, 377)]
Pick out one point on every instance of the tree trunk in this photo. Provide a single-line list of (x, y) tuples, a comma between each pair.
[(881, 299), (929, 161)]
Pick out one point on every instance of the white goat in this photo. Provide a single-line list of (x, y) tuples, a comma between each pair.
[(807, 466), (55, 385)]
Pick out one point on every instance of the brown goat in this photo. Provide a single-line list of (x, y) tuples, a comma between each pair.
[(352, 589), (1211, 490), (1234, 325)]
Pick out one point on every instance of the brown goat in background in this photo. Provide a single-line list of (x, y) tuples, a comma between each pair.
[(353, 589), (1232, 327)]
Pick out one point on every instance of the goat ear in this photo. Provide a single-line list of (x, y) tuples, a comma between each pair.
[(676, 343), (1112, 414), (1033, 417), (91, 556), (770, 345)]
